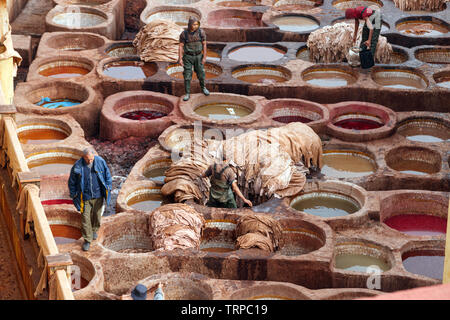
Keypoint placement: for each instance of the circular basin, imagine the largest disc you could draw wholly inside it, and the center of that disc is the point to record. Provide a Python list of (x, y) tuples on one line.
[(155, 170), (67, 68), (414, 160), (422, 27), (296, 23), (286, 5), (121, 49), (257, 53), (42, 133), (52, 162), (301, 239), (211, 71), (416, 214), (218, 236), (295, 110), (347, 164), (328, 77), (384, 25), (348, 4), (179, 16), (279, 291), (325, 204), (261, 74), (428, 263), (64, 234), (398, 56), (75, 41), (82, 272), (357, 121), (433, 55), (222, 111), (236, 3), (399, 79), (129, 69), (75, 19), (235, 18), (426, 130), (304, 54), (146, 199), (442, 79), (361, 257)]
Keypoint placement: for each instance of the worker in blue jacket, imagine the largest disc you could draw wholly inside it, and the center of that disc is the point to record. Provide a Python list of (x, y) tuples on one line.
[(90, 185)]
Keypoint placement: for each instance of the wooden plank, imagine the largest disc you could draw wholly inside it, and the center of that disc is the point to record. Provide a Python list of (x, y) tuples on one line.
[(63, 287), (59, 260), (446, 275), (15, 152)]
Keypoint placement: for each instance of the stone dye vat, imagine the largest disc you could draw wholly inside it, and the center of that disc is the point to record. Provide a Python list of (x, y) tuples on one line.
[(325, 204), (328, 76), (178, 15), (218, 236), (341, 163), (129, 69), (404, 78), (296, 23), (433, 55), (222, 111), (146, 199), (234, 18), (211, 71), (42, 133), (261, 74), (64, 67), (427, 263), (121, 49), (442, 79), (65, 224), (74, 41), (422, 27), (155, 170), (425, 130), (361, 257), (79, 19), (415, 214), (414, 160), (279, 291), (257, 53), (286, 5), (347, 4), (53, 162)]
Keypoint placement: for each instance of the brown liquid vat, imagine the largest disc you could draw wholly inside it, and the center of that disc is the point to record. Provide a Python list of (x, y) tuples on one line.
[(422, 26), (296, 4), (211, 71), (64, 42), (433, 55), (61, 67), (121, 49), (416, 161), (401, 78), (113, 126), (178, 15), (442, 79), (234, 18), (42, 130), (262, 74), (329, 76), (425, 129), (50, 162)]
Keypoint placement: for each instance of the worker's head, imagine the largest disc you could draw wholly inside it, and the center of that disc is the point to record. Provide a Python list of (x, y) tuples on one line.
[(88, 155), (139, 292), (350, 13), (193, 24)]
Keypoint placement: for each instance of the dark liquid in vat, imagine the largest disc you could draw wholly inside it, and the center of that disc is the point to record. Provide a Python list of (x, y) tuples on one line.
[(143, 115), (358, 124)]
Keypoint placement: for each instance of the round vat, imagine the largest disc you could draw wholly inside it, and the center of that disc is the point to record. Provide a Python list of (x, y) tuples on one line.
[(426, 130), (222, 111), (121, 49), (257, 53), (43, 133), (361, 257), (156, 170), (234, 18), (325, 204), (65, 224), (340, 163), (236, 3), (177, 2), (129, 234), (52, 162), (296, 23), (414, 160), (82, 2), (79, 17), (64, 234), (300, 238), (425, 262), (146, 199), (262, 74), (279, 291), (75, 41), (179, 15), (213, 55), (398, 56), (69, 67), (416, 214), (433, 55), (295, 110), (218, 236), (399, 78), (129, 69), (82, 272), (384, 25), (422, 27), (348, 4), (442, 79), (357, 121), (211, 71), (328, 76), (304, 54), (295, 4)]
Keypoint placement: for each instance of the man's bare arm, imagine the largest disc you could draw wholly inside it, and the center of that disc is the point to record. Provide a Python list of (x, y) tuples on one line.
[(239, 193)]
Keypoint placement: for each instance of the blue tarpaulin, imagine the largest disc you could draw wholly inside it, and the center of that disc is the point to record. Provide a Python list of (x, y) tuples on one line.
[(46, 102)]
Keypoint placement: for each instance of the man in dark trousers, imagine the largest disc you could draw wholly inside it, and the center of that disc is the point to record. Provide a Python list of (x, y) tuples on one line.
[(90, 185), (372, 26), (192, 53)]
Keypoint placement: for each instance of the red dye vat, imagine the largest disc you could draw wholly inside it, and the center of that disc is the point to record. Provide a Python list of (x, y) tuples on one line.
[(358, 124), (57, 201), (143, 115), (289, 119), (418, 224)]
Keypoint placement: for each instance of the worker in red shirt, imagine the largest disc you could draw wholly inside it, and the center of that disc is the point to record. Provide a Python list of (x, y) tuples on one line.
[(372, 25)]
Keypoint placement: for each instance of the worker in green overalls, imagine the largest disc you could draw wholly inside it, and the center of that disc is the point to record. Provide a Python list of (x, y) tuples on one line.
[(192, 53), (223, 186)]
